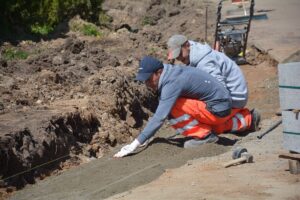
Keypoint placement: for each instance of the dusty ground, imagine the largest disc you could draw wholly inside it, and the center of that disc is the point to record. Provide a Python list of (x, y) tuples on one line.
[(74, 98)]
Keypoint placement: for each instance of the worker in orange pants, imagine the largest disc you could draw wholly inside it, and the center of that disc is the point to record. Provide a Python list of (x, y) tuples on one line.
[(199, 104), (191, 118)]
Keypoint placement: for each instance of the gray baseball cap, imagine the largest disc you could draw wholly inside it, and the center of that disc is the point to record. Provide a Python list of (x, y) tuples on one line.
[(174, 45)]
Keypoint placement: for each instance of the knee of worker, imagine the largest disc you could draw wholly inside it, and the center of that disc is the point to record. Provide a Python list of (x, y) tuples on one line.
[(187, 125), (239, 122), (247, 116)]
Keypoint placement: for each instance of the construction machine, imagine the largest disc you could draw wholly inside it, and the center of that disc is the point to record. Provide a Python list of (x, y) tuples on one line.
[(232, 31)]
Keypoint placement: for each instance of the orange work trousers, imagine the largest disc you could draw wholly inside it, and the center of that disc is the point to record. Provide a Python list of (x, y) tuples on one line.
[(191, 118)]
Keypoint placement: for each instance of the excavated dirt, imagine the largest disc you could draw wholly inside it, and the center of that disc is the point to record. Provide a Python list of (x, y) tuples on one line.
[(75, 99)]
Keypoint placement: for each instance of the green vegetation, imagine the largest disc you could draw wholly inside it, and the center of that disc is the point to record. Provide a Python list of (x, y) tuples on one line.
[(11, 54), (148, 21), (90, 30), (41, 29), (41, 16), (86, 28)]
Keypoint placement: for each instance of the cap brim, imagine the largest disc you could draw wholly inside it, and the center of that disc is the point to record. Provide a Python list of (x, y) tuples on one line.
[(173, 54), (143, 76)]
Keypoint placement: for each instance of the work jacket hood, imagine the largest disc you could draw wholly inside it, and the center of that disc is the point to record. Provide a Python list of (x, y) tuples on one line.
[(198, 52)]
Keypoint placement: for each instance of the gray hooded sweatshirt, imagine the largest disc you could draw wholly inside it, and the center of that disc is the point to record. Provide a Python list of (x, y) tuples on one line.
[(223, 68), (179, 81)]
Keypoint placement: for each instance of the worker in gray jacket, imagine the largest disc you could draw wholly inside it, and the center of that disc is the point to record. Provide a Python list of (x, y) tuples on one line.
[(213, 62), (198, 105)]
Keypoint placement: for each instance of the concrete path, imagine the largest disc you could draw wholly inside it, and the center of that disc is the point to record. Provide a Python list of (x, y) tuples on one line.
[(279, 35)]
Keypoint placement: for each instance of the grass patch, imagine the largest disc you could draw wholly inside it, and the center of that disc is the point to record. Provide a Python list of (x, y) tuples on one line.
[(12, 54), (85, 28), (41, 29), (90, 30)]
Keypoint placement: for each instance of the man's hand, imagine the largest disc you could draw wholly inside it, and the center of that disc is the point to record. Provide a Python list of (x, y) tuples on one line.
[(127, 149)]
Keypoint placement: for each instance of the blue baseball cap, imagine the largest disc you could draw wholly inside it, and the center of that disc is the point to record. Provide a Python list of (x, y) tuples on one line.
[(147, 67)]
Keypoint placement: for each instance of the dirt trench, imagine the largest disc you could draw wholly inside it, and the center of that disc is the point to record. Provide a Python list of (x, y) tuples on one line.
[(56, 109), (45, 135), (23, 149)]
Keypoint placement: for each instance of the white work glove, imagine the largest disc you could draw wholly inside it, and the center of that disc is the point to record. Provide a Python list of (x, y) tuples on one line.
[(127, 149)]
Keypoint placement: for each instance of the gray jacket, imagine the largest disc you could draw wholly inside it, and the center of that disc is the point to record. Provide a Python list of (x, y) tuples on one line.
[(223, 68), (188, 82)]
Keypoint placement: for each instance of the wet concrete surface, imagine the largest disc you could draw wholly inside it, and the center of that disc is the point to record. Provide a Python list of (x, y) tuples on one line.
[(107, 176)]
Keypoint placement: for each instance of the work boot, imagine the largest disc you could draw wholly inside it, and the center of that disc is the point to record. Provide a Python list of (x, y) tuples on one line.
[(196, 142), (255, 120)]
